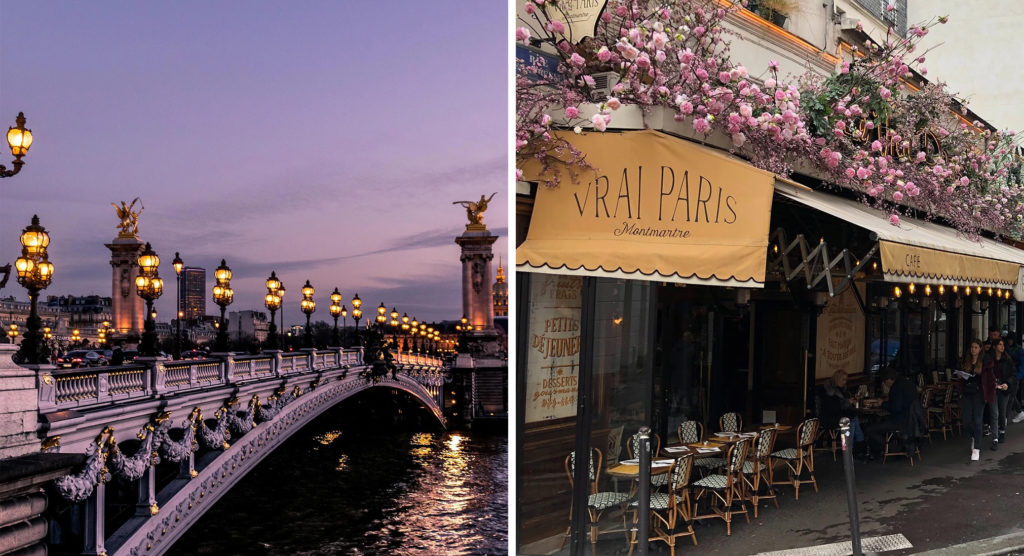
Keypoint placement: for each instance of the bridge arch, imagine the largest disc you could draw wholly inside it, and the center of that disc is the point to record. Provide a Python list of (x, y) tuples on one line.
[(291, 403)]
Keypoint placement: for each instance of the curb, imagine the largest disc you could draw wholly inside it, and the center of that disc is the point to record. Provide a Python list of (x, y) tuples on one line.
[(1002, 544)]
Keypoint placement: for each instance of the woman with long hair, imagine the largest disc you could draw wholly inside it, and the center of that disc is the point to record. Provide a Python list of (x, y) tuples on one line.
[(978, 388), (1005, 374)]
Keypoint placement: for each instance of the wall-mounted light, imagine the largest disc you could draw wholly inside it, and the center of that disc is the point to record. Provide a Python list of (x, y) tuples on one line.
[(955, 288), (990, 292), (617, 320)]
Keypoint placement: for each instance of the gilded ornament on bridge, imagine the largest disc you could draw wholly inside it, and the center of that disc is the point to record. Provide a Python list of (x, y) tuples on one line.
[(129, 225), (475, 211)]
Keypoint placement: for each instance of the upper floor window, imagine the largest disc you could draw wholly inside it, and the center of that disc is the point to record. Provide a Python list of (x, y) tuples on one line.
[(891, 12)]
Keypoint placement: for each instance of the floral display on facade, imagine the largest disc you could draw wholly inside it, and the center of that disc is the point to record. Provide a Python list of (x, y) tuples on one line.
[(872, 126)]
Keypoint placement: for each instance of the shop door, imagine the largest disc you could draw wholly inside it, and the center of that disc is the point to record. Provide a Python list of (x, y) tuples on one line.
[(780, 361)]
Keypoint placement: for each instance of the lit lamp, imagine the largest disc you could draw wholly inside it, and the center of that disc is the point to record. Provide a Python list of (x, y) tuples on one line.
[(405, 326), (394, 326), (76, 336), (149, 287), (12, 332), (335, 312), (357, 313), (382, 318), (223, 295), (35, 271), (308, 306), (19, 140), (273, 302), (178, 265)]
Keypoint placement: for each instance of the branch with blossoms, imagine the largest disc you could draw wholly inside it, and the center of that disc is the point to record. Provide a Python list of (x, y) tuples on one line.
[(669, 53), (862, 127)]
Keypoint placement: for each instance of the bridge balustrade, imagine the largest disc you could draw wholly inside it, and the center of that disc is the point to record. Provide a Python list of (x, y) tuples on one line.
[(82, 388)]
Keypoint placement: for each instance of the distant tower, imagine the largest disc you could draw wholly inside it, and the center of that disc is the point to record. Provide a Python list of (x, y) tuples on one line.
[(500, 293), (192, 300), (476, 241)]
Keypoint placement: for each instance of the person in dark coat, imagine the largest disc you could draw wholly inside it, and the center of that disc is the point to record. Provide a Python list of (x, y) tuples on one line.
[(903, 415), (976, 380), (1005, 372), (117, 357)]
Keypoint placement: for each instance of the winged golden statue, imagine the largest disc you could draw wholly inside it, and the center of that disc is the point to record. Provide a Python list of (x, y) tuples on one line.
[(129, 218), (475, 210)]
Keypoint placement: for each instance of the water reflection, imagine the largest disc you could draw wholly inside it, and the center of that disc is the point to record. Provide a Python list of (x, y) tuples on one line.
[(365, 493)]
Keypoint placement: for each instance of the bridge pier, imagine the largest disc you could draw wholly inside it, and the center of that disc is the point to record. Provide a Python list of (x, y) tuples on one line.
[(95, 520)]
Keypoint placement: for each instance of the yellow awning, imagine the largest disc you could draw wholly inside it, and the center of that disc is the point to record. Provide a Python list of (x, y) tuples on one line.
[(920, 251), (654, 208)]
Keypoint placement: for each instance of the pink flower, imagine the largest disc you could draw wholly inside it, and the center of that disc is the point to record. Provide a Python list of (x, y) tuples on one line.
[(576, 60), (773, 65), (701, 125), (923, 70), (643, 61), (770, 83), (876, 145), (556, 26), (530, 9), (894, 220), (659, 40), (738, 139), (613, 103), (884, 93), (850, 172), (522, 34), (519, 174), (897, 196), (745, 110), (964, 181), (660, 56), (599, 122), (572, 112), (686, 107), (545, 120), (863, 173), (723, 76), (604, 54), (890, 7), (702, 74)]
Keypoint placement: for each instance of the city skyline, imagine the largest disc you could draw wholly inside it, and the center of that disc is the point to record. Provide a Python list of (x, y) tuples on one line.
[(278, 140)]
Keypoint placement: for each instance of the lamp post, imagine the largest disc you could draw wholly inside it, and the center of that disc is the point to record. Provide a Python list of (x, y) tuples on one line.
[(178, 265), (357, 313), (381, 319), (394, 326), (273, 302), (149, 287), (75, 337), (405, 328), (35, 271), (223, 295), (280, 296), (414, 329), (344, 318), (462, 328), (19, 140), (308, 306), (12, 332), (335, 312)]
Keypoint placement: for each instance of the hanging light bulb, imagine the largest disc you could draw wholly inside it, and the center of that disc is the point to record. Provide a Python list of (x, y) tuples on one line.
[(955, 288), (990, 292), (897, 292), (942, 289), (911, 288), (927, 289), (967, 290)]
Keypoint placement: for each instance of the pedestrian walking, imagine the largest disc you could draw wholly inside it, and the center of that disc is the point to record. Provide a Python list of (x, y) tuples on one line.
[(1005, 373), (977, 382)]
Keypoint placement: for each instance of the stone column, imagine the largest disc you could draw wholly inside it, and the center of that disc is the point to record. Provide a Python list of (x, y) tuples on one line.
[(19, 406), (477, 298), (127, 308)]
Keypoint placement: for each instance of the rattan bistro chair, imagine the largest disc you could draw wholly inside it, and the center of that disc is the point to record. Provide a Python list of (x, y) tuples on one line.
[(672, 512), (726, 490), (633, 449), (797, 459), (690, 432), (597, 502), (730, 422), (757, 470)]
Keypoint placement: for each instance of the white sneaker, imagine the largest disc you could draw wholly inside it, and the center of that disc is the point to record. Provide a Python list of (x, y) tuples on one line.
[(975, 455), (1019, 417)]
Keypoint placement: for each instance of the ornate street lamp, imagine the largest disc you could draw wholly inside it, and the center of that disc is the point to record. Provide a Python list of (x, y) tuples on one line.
[(308, 306), (335, 312), (405, 328), (273, 302), (35, 271), (394, 326), (12, 332), (357, 313), (150, 286), (178, 266), (280, 296), (223, 295), (75, 336), (19, 140)]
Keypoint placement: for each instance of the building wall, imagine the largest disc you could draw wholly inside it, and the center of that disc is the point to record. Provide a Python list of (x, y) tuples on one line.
[(192, 298)]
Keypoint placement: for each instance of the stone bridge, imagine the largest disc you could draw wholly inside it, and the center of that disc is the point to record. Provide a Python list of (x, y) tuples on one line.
[(215, 419)]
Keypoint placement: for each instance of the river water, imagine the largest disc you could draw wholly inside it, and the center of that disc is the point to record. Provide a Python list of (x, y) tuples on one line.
[(355, 490)]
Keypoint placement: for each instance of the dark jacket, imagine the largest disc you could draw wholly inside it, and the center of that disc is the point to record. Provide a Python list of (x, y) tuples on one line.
[(1003, 372), (117, 358), (835, 404), (901, 396)]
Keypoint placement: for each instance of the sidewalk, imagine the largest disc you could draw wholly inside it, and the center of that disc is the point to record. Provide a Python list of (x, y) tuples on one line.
[(943, 505)]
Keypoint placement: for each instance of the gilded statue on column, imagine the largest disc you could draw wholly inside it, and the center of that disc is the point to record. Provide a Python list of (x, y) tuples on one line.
[(129, 225), (475, 210)]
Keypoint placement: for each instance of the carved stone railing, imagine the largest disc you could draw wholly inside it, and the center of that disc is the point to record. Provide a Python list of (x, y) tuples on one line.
[(84, 388)]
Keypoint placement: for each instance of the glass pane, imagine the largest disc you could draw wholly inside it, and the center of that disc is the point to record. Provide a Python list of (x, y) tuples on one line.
[(549, 372)]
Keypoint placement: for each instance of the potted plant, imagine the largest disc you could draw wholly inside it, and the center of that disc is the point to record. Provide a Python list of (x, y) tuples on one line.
[(775, 11)]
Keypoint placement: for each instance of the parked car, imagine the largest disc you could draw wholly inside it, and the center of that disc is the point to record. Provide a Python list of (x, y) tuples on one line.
[(193, 354), (93, 359)]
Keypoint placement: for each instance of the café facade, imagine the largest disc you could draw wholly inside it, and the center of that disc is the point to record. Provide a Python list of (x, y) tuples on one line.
[(673, 281)]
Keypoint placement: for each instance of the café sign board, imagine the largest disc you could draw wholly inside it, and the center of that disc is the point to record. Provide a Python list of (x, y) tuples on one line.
[(654, 207), (553, 356), (579, 16)]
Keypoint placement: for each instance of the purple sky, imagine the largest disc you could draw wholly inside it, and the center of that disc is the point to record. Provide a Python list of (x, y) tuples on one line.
[(323, 140)]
